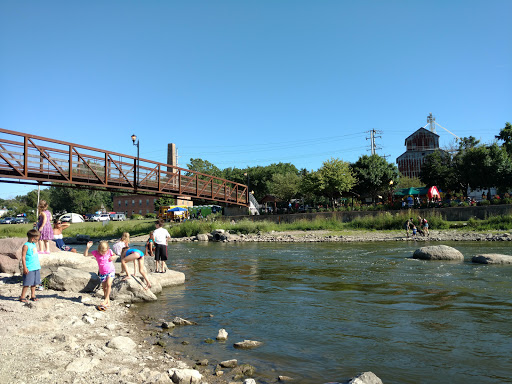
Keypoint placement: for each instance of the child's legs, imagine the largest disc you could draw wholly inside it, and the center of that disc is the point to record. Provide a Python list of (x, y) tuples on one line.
[(33, 291), (131, 257), (134, 268), (24, 292), (107, 287), (142, 271), (47, 245)]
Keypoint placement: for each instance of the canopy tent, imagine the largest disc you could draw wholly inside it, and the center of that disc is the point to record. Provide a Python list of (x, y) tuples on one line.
[(432, 192), (177, 209), (411, 191)]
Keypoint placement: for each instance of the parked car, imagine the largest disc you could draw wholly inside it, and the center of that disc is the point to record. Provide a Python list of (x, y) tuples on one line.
[(20, 220), (117, 216), (102, 217), (7, 220), (88, 216), (71, 218)]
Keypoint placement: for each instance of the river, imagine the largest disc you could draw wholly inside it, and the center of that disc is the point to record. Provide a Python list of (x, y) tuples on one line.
[(328, 311)]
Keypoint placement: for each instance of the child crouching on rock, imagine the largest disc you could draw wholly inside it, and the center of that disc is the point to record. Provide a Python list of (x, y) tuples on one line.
[(105, 257), (132, 254), (31, 266)]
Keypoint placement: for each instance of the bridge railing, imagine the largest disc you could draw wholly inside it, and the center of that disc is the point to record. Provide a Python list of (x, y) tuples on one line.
[(37, 159)]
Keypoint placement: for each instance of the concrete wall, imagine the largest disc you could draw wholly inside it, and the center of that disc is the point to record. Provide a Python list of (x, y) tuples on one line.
[(450, 214)]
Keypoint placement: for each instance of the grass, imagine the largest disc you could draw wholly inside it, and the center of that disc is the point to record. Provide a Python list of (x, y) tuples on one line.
[(383, 221)]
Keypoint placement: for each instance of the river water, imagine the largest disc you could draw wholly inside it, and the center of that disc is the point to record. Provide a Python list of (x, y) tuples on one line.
[(327, 311)]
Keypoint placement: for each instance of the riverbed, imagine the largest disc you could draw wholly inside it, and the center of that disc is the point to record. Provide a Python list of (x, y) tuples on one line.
[(327, 311)]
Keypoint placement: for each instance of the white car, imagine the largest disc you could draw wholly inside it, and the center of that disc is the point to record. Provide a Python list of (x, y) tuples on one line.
[(102, 217), (71, 218)]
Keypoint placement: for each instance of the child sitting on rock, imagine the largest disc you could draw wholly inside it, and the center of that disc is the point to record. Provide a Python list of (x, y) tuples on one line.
[(133, 254), (150, 245), (105, 257)]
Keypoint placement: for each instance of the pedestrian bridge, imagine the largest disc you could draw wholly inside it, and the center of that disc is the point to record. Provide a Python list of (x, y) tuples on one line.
[(31, 159)]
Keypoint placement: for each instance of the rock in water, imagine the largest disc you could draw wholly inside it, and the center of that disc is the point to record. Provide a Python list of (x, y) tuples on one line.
[(492, 258), (438, 252), (366, 378), (247, 344), (229, 363), (222, 335), (180, 321)]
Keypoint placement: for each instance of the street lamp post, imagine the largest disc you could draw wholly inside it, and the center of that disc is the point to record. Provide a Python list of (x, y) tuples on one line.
[(248, 186), (134, 138)]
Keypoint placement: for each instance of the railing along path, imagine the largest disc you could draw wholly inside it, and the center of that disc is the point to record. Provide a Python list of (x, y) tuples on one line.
[(40, 160)]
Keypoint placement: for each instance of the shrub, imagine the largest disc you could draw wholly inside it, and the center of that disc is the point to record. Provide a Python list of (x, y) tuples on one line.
[(136, 216), (485, 202), (506, 200), (495, 201), (151, 215)]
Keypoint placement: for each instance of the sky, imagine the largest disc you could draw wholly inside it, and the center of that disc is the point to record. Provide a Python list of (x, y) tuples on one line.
[(247, 83)]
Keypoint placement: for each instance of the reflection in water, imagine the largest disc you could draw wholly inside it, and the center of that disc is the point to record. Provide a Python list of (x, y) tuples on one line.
[(328, 311)]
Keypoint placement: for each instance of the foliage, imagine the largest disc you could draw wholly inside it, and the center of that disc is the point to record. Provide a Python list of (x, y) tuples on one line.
[(374, 175), (79, 200), (505, 135), (136, 216), (334, 178), (150, 215), (204, 166), (407, 182), (285, 186), (164, 202), (438, 170)]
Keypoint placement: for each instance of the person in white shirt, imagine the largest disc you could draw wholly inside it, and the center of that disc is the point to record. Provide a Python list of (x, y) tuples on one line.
[(162, 237)]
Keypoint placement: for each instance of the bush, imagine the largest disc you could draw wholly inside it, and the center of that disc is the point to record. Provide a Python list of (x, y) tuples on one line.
[(151, 215), (485, 202), (136, 216), (495, 201), (506, 200)]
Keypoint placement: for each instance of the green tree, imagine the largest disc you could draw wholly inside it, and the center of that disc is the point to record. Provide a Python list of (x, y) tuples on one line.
[(468, 143), (374, 175), (79, 200), (439, 170), (285, 186), (335, 177), (408, 182), (204, 166), (163, 202), (506, 136)]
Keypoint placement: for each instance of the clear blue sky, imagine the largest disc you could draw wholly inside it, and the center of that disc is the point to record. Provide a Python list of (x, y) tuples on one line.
[(246, 83)]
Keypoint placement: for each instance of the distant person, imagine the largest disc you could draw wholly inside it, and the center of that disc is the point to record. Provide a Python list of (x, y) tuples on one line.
[(104, 257), (410, 202), (133, 254), (424, 226), (58, 227), (407, 226), (162, 237), (414, 230), (44, 226), (150, 245), (31, 266)]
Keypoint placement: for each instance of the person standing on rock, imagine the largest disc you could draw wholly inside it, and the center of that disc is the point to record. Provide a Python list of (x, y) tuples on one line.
[(104, 257), (31, 266), (44, 226), (133, 254), (408, 225), (161, 239)]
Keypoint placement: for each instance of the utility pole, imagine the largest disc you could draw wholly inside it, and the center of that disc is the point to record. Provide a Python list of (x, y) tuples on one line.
[(372, 138)]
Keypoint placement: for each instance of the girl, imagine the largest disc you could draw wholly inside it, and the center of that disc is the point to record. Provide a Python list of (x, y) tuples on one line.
[(123, 243), (58, 227), (150, 245), (31, 266), (104, 256), (132, 254), (44, 225)]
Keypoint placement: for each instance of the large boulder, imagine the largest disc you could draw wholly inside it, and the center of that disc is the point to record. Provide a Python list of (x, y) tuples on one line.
[(10, 254), (131, 290), (149, 264), (185, 376), (492, 258), (122, 343), (169, 278), (68, 259), (438, 252), (74, 280)]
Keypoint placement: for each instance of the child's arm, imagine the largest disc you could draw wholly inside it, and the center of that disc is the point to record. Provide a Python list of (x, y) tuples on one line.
[(113, 256), (23, 259), (44, 220), (63, 226), (89, 245)]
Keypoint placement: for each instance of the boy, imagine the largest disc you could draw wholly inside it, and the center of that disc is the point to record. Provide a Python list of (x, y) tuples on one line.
[(31, 266), (161, 236)]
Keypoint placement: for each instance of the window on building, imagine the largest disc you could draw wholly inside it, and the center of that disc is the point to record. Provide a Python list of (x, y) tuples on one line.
[(140, 201), (126, 202), (133, 202), (119, 202), (140, 211), (147, 201)]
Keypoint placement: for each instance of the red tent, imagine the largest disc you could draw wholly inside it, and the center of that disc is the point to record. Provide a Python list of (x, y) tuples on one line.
[(433, 191)]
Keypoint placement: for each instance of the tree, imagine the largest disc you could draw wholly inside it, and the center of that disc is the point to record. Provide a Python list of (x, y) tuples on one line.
[(285, 186), (407, 182), (164, 202), (438, 169), (468, 143), (374, 174), (204, 166), (506, 136), (79, 200), (334, 178)]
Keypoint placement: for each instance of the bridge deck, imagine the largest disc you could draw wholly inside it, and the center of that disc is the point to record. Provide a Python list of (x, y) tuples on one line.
[(36, 159)]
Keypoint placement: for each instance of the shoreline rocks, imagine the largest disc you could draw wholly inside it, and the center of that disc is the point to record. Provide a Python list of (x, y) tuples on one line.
[(438, 252), (492, 258)]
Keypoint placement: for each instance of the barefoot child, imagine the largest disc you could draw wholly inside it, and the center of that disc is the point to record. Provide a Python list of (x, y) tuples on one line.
[(104, 256), (132, 254), (31, 266), (150, 245), (122, 243)]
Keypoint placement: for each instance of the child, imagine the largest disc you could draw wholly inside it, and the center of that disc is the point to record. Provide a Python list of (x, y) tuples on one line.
[(104, 256), (31, 266), (58, 227), (132, 254), (123, 243), (161, 236), (44, 225), (413, 231), (150, 245)]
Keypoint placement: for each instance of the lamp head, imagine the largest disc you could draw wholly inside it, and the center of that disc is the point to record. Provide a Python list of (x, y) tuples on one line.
[(134, 137)]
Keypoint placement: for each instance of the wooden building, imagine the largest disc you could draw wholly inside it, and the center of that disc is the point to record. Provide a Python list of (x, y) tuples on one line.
[(418, 145)]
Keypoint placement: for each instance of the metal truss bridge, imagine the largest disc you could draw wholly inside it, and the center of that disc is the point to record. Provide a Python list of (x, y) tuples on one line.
[(30, 159)]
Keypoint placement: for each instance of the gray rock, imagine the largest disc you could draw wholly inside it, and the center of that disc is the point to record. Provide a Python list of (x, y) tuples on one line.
[(88, 320), (244, 370), (492, 258), (81, 365), (218, 235), (438, 252), (131, 290), (202, 237), (180, 321), (167, 325), (185, 376), (247, 344), (249, 381), (74, 280), (366, 378), (229, 363), (222, 335), (169, 278), (285, 378), (122, 343)]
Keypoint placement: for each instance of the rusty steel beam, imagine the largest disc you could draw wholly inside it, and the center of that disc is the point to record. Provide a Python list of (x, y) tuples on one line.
[(33, 159)]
